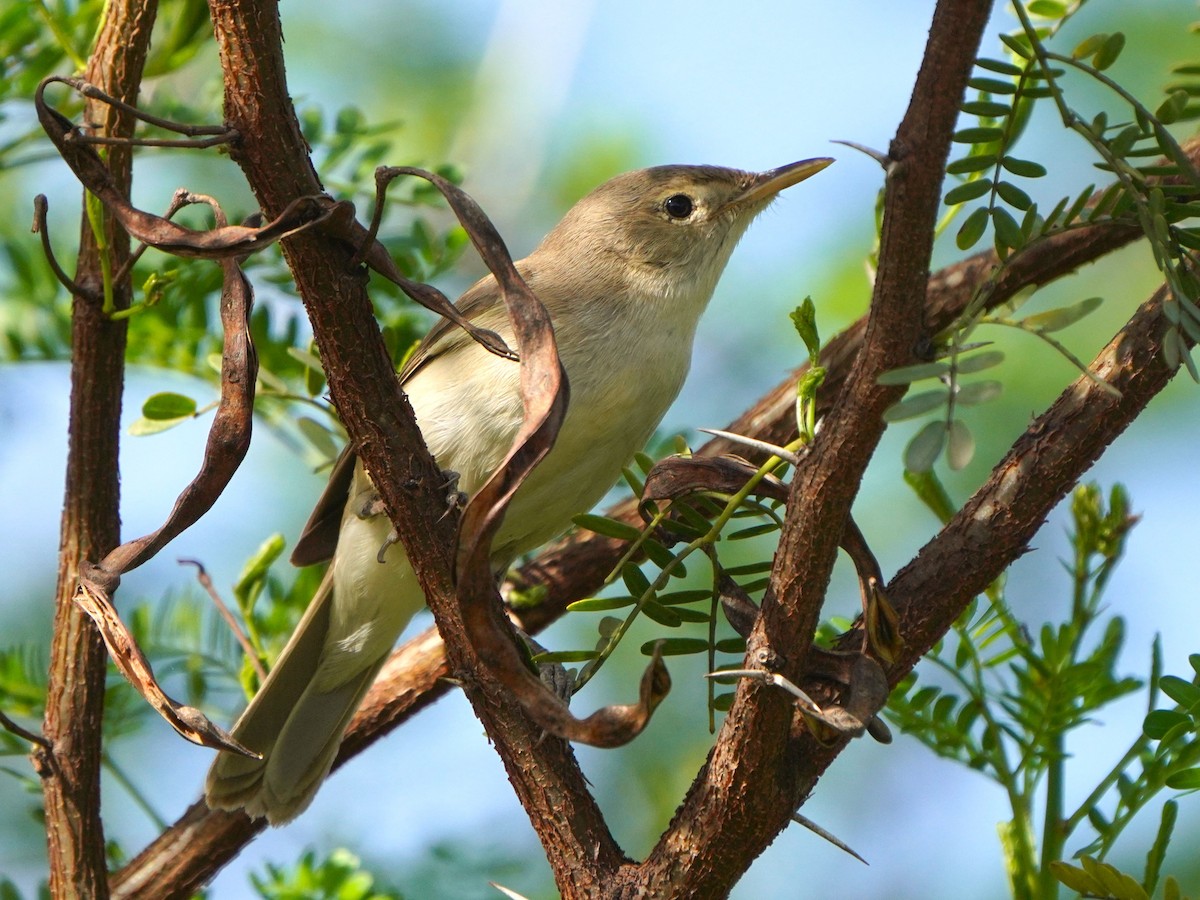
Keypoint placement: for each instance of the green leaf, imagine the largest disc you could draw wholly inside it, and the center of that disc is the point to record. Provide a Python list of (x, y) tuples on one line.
[(662, 557), (607, 527), (1182, 692), (987, 109), (960, 445), (722, 702), (675, 598), (168, 405), (932, 493), (599, 604), (253, 577), (1079, 204), (635, 579), (968, 164), (1112, 882), (1023, 167), (675, 646), (804, 318), (1008, 232), (1000, 66), (916, 405), (688, 614), (917, 372), (1160, 721), (978, 362), (1013, 195), (1057, 319), (143, 427), (971, 190), (663, 615), (306, 359), (1109, 51), (980, 135), (732, 645), (1088, 46), (1018, 44), (1047, 9), (1188, 237), (644, 461), (1125, 139), (1171, 109), (1158, 851), (972, 229), (319, 436), (978, 392), (1185, 780), (924, 449), (992, 85), (752, 531)]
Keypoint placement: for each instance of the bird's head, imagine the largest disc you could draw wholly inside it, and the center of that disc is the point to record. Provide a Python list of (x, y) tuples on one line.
[(669, 230)]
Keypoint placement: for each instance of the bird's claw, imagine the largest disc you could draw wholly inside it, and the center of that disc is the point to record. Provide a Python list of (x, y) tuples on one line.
[(371, 506), (455, 499), (392, 538)]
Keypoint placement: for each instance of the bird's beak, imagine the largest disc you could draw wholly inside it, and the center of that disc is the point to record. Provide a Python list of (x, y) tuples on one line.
[(765, 185)]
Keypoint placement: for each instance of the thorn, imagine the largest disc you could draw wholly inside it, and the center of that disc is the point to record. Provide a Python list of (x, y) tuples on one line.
[(769, 678), (829, 836), (774, 449), (455, 499), (879, 156)]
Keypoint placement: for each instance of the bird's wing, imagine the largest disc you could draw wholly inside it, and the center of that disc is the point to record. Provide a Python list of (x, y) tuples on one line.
[(318, 540), (480, 304)]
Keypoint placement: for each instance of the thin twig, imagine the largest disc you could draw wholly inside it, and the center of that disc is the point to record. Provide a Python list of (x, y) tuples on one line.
[(226, 614), (24, 733), (40, 206), (89, 90)]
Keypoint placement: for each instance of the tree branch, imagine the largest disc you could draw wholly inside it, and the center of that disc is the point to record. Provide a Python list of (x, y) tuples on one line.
[(378, 418), (749, 788), (188, 854), (996, 524), (70, 769)]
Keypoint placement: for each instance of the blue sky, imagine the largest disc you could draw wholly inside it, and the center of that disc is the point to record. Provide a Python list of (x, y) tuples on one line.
[(753, 86)]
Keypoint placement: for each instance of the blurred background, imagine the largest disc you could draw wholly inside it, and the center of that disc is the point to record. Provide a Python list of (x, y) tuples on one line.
[(536, 103)]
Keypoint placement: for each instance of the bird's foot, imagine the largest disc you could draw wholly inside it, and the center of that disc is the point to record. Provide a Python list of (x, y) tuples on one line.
[(557, 678), (455, 499)]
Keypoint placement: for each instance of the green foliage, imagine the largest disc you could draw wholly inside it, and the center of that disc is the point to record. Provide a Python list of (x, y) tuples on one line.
[(990, 174), (1098, 879), (679, 530), (697, 524), (1015, 697), (804, 318), (9, 891), (339, 876)]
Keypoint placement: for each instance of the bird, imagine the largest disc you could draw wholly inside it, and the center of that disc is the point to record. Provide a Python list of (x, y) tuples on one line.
[(625, 277)]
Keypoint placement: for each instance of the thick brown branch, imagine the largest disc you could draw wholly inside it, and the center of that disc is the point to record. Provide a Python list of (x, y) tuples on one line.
[(749, 789), (377, 416), (994, 527), (575, 567), (580, 562), (90, 523)]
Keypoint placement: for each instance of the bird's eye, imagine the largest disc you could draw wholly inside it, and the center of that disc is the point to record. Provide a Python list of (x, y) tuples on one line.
[(678, 206)]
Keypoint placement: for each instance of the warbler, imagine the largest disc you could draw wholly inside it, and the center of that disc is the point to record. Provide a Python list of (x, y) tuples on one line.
[(625, 277)]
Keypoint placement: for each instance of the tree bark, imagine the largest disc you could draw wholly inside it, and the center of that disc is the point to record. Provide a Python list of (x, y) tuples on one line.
[(70, 762)]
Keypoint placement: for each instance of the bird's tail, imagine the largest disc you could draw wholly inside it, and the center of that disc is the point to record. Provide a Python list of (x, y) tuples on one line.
[(296, 726)]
